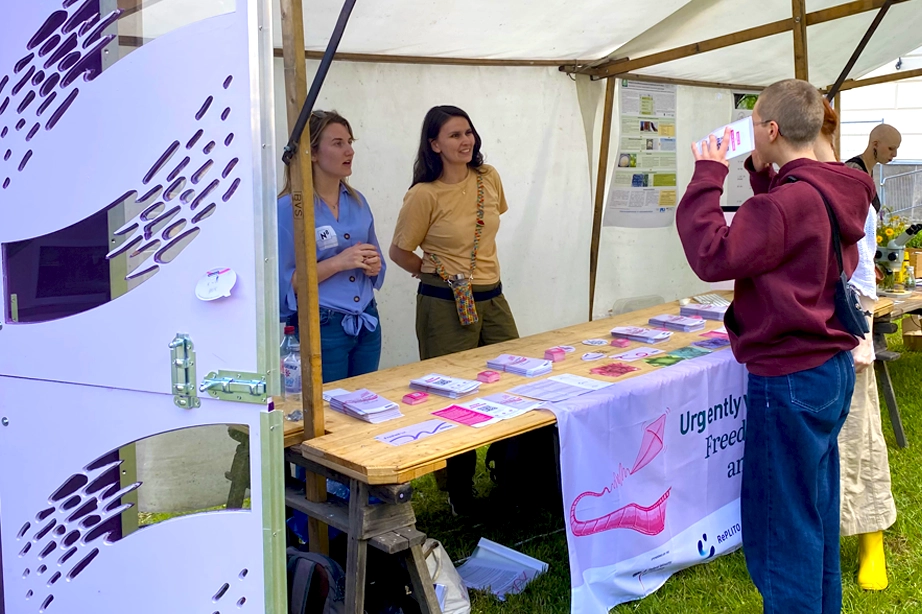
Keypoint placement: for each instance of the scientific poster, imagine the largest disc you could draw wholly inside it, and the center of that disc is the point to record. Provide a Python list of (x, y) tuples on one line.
[(738, 190), (643, 181)]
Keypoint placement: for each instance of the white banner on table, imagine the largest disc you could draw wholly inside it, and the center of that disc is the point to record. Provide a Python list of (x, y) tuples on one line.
[(651, 471)]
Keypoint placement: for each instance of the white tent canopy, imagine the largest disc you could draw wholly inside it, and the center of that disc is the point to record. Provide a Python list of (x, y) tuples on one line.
[(541, 128)]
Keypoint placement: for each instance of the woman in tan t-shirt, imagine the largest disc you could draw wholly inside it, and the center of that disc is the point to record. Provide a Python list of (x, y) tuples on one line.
[(440, 216)]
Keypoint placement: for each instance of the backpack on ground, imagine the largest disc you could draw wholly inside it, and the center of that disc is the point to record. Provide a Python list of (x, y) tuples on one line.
[(316, 584)]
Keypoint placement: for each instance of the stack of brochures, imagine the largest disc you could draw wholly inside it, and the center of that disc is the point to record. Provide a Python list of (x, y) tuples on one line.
[(366, 405), (708, 312), (520, 365), (442, 385), (644, 335), (682, 324)]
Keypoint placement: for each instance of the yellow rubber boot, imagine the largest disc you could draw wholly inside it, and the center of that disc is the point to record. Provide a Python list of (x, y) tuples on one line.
[(872, 565)]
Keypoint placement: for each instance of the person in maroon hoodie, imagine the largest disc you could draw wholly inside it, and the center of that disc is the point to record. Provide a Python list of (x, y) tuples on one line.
[(782, 326)]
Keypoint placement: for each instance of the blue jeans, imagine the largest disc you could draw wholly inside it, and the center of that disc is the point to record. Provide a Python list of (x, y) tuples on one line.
[(790, 490), (344, 355)]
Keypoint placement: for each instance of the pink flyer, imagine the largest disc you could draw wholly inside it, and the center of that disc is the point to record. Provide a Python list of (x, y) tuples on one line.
[(462, 415)]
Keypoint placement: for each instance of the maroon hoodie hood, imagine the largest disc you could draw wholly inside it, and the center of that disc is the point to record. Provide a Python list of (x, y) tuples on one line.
[(779, 251)]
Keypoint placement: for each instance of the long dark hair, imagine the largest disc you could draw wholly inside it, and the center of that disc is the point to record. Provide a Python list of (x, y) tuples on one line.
[(428, 165)]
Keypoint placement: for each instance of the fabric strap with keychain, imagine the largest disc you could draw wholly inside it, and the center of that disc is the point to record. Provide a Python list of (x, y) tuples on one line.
[(460, 284)]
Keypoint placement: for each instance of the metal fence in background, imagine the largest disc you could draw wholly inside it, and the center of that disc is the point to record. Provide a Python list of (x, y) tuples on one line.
[(900, 188)]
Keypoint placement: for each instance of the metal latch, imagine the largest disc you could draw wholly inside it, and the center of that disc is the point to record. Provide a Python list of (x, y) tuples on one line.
[(236, 386), (182, 355)]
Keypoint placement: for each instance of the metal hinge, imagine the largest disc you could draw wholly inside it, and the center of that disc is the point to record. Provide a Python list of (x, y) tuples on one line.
[(182, 355), (236, 386)]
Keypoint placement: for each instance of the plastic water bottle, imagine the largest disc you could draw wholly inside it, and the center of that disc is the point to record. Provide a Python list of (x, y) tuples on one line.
[(290, 353)]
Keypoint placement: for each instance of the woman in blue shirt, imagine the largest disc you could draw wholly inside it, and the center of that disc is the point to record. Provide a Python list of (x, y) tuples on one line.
[(349, 263)]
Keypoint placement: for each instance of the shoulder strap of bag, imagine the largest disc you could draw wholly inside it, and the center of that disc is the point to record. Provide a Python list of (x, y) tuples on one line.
[(834, 222), (478, 230)]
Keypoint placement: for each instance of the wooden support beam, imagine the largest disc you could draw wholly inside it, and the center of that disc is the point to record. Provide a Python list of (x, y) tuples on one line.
[(691, 82), (302, 204), (837, 137), (799, 16), (619, 67), (622, 65), (899, 76), (373, 58), (847, 10), (859, 49), (600, 190)]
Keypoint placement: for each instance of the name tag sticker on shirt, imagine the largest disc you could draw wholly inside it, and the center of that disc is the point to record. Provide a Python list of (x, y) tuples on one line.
[(326, 237)]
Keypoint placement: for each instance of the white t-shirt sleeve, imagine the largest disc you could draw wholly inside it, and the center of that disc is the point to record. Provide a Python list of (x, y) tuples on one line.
[(864, 279)]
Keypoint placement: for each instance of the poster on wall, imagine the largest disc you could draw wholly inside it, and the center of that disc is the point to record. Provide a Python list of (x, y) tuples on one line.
[(738, 190), (643, 181)]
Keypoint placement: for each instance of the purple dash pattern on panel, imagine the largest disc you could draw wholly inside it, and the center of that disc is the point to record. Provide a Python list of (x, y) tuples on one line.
[(179, 191), (61, 540), (43, 84)]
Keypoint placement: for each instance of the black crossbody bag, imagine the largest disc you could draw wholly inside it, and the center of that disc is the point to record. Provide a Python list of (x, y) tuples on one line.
[(847, 305)]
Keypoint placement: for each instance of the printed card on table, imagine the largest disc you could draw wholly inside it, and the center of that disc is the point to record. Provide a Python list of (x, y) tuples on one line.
[(615, 369), (712, 344), (465, 416), (664, 361), (637, 354), (715, 334), (688, 352), (415, 432)]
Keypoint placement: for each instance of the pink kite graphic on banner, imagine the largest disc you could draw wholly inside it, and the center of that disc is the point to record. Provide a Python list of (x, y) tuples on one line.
[(651, 445), (647, 520)]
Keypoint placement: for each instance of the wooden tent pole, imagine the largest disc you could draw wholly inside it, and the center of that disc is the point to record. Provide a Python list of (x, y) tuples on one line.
[(302, 204), (801, 63), (834, 90), (600, 190), (619, 66), (899, 76)]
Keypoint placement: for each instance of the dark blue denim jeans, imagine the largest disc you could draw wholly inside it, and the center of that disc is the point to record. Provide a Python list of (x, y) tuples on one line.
[(790, 490), (344, 355)]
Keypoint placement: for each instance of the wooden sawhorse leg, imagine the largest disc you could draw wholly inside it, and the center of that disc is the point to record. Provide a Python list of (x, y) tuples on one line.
[(886, 386), (883, 355), (357, 549), (389, 526)]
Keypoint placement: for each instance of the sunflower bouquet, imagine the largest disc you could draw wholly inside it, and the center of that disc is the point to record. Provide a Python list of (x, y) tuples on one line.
[(890, 227)]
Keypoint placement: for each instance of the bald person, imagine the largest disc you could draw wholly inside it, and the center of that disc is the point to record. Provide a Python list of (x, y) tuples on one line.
[(882, 146)]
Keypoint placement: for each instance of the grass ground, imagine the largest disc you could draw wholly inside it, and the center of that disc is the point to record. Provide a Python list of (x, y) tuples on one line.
[(722, 586)]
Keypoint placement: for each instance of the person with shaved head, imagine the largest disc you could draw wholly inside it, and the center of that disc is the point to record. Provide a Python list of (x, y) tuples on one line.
[(882, 147)]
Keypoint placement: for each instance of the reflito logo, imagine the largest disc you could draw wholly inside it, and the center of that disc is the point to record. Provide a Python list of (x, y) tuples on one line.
[(703, 547)]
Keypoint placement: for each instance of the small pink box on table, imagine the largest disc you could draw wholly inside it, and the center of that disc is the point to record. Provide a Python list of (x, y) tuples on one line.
[(415, 398), (488, 377), (554, 354)]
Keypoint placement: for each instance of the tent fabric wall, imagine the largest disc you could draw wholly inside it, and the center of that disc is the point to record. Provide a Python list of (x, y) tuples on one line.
[(487, 29), (587, 31), (533, 133), (541, 129)]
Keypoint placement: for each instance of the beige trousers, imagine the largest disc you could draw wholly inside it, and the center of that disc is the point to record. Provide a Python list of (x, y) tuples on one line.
[(867, 503)]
